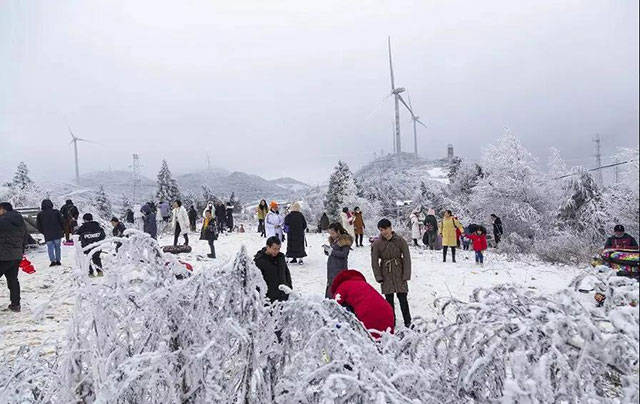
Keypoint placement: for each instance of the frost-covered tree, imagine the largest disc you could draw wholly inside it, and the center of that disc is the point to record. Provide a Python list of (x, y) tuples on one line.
[(102, 204), (167, 186), (342, 189), (584, 210), (21, 178), (208, 195), (431, 196), (511, 187)]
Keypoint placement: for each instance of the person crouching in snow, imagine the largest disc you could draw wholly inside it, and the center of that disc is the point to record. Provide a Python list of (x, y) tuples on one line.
[(180, 222), (91, 232), (479, 240), (351, 290)]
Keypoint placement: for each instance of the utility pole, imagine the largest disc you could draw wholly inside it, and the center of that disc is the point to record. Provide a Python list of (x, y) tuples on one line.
[(135, 167), (598, 157)]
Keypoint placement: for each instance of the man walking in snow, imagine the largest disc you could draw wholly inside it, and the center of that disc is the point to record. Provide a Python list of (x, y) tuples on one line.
[(51, 224), (391, 263), (12, 235), (193, 215)]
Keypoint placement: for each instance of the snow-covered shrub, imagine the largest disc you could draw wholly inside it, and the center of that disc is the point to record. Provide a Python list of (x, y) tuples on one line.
[(564, 247)]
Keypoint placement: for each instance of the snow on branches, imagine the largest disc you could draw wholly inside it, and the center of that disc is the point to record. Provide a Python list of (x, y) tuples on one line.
[(167, 185), (149, 333)]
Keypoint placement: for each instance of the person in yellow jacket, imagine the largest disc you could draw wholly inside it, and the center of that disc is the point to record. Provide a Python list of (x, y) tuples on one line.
[(262, 210), (448, 228)]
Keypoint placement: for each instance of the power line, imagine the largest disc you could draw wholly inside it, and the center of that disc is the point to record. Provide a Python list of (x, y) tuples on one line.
[(598, 168)]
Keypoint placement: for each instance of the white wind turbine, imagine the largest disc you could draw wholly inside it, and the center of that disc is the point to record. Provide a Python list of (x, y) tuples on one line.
[(75, 139)]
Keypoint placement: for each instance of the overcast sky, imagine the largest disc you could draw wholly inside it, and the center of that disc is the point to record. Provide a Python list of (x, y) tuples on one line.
[(285, 88)]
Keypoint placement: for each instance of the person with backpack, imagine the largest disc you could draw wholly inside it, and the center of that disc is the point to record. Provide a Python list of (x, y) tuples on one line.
[(209, 232), (70, 215), (91, 232), (221, 214), (13, 232), (128, 216), (479, 241), (51, 224), (430, 236)]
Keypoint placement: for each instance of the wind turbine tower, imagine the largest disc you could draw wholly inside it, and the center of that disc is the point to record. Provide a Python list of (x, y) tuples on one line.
[(396, 98), (75, 140)]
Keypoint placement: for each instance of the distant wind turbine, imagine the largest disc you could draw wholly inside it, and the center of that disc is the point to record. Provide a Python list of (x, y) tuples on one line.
[(416, 120), (396, 92), (75, 139)]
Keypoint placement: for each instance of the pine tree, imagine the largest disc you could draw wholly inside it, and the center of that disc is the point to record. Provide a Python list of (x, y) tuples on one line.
[(21, 178), (342, 190), (167, 186), (208, 195), (102, 204)]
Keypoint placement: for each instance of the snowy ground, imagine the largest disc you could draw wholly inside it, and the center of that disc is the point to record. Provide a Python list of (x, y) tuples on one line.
[(41, 324)]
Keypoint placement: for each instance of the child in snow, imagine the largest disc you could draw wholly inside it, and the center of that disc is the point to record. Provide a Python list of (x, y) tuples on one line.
[(479, 240), (91, 232)]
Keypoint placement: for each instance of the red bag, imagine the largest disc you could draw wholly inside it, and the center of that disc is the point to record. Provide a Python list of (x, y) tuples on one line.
[(27, 266)]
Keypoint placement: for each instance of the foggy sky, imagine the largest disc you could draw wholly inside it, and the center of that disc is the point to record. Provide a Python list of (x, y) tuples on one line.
[(288, 87)]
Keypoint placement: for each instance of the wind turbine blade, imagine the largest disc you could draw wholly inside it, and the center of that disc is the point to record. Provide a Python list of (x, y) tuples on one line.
[(409, 99), (71, 133), (420, 122), (407, 106), (393, 87)]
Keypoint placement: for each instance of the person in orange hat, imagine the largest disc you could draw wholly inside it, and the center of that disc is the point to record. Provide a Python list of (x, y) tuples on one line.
[(273, 221)]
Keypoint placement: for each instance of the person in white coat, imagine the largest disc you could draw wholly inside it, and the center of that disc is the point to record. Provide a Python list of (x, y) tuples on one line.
[(346, 219), (180, 222), (273, 222), (416, 231)]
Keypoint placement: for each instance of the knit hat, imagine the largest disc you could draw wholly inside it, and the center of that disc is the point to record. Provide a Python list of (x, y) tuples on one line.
[(619, 228), (273, 205)]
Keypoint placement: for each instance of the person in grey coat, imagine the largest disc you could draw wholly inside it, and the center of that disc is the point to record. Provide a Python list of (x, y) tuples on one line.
[(337, 250), (13, 232), (149, 224)]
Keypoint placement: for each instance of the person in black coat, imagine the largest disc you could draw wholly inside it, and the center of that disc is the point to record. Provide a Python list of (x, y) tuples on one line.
[(70, 215), (128, 216), (324, 223), (193, 216), (221, 216), (13, 232), (275, 271), (149, 224), (51, 224), (118, 230), (498, 230), (229, 216), (91, 232), (296, 225)]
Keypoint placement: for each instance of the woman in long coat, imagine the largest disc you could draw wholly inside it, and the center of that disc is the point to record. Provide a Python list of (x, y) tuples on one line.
[(340, 242), (297, 225), (358, 226), (449, 235)]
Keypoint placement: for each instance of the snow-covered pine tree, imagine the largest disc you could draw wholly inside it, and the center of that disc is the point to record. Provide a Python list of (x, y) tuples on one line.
[(189, 199), (342, 189), (21, 178), (237, 204), (454, 166), (430, 196), (102, 204), (167, 186)]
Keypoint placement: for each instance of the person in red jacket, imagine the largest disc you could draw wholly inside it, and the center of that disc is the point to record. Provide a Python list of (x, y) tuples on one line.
[(479, 240), (350, 289)]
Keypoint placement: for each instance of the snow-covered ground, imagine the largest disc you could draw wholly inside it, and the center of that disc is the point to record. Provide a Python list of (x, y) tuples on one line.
[(47, 298)]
